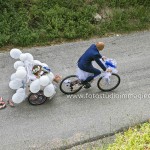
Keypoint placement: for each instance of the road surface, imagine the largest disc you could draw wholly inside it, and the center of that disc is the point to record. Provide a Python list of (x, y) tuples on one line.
[(64, 120)]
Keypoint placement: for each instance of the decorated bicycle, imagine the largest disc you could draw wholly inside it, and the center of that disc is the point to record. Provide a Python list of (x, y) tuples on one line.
[(86, 72), (107, 81)]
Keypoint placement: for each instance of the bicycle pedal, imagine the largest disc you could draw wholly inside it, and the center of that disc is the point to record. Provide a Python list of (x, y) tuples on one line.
[(87, 86)]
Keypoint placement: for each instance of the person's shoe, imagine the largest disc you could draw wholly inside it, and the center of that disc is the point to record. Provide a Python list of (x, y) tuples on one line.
[(3, 106), (10, 103), (87, 85)]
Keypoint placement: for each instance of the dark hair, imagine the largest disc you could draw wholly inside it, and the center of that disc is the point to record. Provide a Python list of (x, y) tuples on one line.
[(36, 69)]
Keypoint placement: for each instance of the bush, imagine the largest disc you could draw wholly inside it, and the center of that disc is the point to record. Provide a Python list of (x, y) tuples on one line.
[(27, 22), (125, 20)]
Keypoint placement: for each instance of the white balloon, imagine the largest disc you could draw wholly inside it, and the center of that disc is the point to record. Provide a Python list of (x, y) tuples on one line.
[(18, 64), (23, 57), (36, 62), (18, 98), (15, 84), (49, 90), (51, 76), (35, 86), (21, 90), (13, 76), (44, 65), (15, 53), (21, 73), (44, 80), (29, 57), (21, 68)]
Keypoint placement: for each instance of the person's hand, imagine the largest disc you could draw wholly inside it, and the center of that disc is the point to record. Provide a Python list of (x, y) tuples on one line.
[(104, 58), (57, 78), (108, 70)]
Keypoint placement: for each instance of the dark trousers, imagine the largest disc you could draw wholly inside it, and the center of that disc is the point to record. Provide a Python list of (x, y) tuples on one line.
[(90, 69)]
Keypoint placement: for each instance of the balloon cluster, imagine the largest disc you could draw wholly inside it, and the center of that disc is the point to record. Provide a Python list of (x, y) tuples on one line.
[(24, 75)]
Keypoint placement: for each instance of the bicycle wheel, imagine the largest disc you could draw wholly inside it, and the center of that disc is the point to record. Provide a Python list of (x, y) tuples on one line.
[(108, 85), (37, 98), (70, 85)]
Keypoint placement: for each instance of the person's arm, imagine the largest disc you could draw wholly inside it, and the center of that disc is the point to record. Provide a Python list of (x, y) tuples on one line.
[(97, 59), (104, 58)]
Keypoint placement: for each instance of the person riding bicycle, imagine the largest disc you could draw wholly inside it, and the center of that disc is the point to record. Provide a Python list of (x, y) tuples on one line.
[(85, 62)]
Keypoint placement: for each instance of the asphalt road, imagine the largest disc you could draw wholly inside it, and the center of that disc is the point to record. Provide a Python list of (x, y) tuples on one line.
[(63, 121)]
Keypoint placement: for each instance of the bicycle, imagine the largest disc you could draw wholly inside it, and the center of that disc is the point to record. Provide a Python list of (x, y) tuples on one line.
[(73, 84)]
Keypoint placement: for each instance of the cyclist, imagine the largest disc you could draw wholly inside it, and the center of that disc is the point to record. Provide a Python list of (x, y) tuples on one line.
[(85, 63)]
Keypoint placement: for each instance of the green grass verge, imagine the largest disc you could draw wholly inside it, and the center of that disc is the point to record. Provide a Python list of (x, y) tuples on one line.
[(137, 138), (31, 22)]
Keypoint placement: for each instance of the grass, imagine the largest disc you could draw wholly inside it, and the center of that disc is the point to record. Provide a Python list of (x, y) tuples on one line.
[(136, 138), (35, 22)]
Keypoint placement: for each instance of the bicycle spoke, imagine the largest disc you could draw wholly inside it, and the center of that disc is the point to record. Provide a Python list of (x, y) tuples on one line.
[(70, 85), (37, 99), (110, 83)]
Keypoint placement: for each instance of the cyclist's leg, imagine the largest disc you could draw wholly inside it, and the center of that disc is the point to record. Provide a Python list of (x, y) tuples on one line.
[(93, 70)]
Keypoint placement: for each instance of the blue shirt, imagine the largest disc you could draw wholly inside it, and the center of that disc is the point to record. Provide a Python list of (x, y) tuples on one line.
[(91, 54)]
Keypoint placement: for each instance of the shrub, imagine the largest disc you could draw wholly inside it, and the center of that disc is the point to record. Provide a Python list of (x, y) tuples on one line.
[(27, 22)]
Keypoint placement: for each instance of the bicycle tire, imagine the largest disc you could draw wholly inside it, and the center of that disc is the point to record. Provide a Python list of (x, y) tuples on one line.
[(72, 92), (107, 90), (37, 102)]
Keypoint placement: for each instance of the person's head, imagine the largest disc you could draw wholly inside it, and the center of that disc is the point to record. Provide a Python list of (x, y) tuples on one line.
[(36, 69), (100, 46)]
